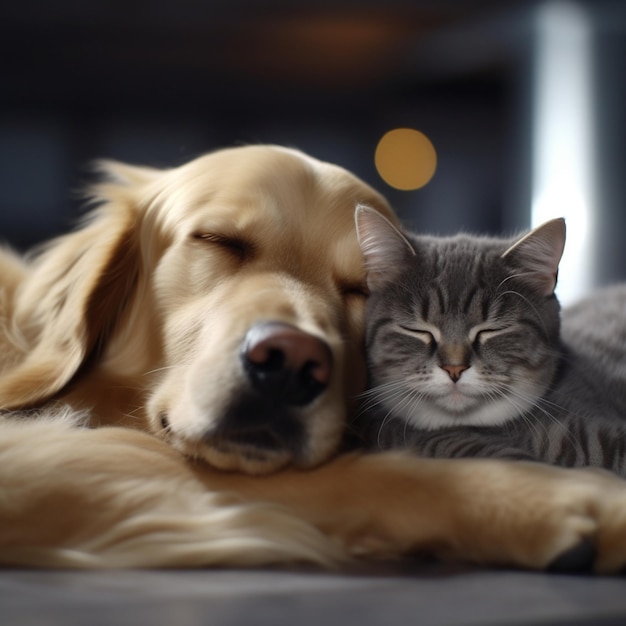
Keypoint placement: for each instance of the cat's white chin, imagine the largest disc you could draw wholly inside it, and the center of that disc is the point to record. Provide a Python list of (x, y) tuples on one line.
[(471, 402), (430, 415)]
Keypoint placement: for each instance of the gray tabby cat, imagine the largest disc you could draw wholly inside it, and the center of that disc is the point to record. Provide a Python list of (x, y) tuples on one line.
[(467, 356)]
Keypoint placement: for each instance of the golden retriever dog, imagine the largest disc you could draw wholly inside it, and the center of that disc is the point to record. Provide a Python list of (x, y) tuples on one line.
[(175, 382)]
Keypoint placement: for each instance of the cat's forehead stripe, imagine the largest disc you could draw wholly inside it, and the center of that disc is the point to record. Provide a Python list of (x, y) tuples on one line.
[(455, 273)]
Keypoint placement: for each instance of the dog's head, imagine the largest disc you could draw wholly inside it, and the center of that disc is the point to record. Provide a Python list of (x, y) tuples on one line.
[(228, 293)]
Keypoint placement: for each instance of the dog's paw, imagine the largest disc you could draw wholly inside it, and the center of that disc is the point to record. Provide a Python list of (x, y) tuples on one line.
[(579, 559), (593, 505), (541, 517)]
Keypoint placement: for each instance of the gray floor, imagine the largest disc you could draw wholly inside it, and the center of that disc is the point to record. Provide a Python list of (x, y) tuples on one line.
[(425, 595)]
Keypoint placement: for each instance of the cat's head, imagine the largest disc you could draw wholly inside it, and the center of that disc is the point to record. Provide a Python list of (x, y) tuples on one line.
[(461, 330)]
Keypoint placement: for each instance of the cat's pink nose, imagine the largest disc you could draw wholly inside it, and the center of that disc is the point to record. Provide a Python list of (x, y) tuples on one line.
[(454, 371)]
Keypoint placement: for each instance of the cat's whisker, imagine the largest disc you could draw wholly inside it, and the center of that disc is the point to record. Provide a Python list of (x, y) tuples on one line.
[(542, 431), (407, 405), (382, 388), (417, 399), (379, 395), (544, 401), (396, 399), (382, 399), (512, 277), (385, 419), (529, 303), (528, 399), (508, 395), (560, 424)]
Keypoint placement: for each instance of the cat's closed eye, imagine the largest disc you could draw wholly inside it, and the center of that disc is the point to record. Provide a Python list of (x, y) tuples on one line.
[(427, 336), (482, 334)]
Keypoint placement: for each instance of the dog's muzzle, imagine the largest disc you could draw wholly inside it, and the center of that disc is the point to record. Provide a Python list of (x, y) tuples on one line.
[(287, 369)]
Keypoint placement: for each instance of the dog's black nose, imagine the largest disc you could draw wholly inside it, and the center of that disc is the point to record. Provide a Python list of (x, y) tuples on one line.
[(288, 366)]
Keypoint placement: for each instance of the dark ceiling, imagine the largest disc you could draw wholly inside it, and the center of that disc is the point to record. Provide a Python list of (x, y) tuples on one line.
[(124, 51), (160, 81)]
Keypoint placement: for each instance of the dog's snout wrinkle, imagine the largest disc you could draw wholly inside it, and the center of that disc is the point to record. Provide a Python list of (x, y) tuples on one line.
[(286, 364)]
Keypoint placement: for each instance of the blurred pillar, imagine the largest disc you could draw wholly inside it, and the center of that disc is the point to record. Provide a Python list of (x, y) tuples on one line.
[(609, 20), (563, 138), (577, 128)]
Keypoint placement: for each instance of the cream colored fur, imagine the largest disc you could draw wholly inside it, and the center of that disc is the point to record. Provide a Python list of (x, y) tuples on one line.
[(137, 316)]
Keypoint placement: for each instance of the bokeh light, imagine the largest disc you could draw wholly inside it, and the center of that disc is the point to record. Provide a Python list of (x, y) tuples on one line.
[(405, 158)]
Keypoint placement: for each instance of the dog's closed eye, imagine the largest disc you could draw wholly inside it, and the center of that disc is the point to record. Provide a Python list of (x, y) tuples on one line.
[(236, 245), (357, 290)]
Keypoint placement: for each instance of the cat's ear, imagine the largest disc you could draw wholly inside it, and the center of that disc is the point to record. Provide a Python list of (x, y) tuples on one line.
[(385, 249), (538, 254)]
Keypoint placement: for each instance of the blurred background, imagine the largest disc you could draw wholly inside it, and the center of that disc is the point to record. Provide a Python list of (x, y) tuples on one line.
[(516, 110)]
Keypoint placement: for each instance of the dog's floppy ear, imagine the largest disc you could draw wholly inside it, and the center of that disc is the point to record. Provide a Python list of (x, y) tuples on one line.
[(78, 286)]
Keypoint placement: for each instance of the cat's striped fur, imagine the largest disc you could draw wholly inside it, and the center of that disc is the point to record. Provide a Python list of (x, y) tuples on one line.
[(468, 355)]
